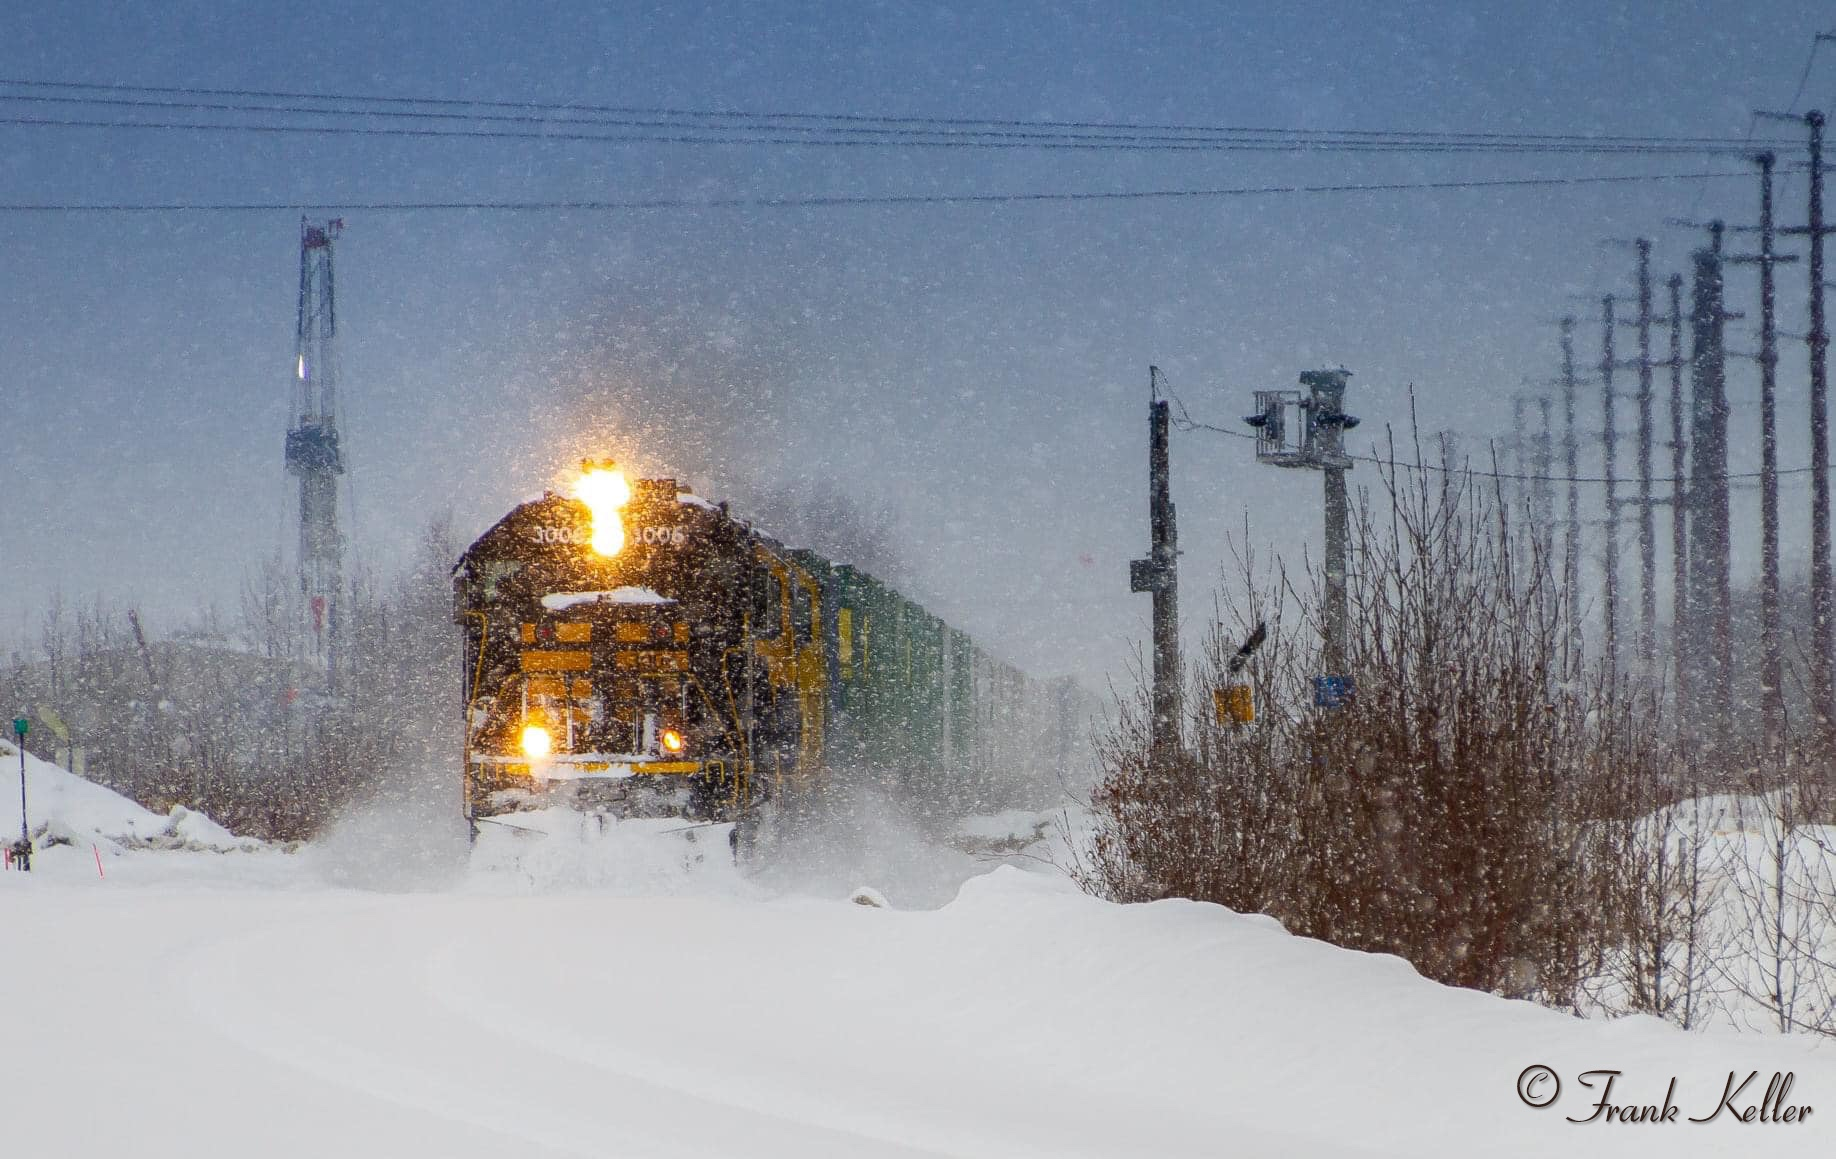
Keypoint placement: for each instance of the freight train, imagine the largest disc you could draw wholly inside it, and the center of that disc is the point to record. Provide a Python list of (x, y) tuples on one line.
[(635, 648)]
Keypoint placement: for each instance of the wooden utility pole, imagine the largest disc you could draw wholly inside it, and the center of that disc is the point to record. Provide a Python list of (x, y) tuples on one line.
[(1542, 463), (1772, 657), (1647, 535), (1571, 457), (1823, 615), (1609, 436), (1679, 513), (1159, 575), (1822, 586), (1772, 643), (1823, 598), (1711, 595)]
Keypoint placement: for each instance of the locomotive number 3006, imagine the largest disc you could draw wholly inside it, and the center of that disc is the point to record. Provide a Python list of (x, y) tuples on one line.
[(650, 536)]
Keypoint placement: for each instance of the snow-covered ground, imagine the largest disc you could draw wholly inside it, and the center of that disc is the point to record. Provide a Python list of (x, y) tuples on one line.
[(567, 991)]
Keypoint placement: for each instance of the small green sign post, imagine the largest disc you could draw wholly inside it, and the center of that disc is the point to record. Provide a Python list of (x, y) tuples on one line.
[(22, 852)]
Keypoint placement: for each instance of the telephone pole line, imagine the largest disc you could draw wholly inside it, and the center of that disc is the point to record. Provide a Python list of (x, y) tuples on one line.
[(1822, 586), (1823, 598)]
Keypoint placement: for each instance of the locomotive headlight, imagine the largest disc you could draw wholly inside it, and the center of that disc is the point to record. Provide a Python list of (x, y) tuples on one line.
[(537, 744), (672, 740), (605, 492)]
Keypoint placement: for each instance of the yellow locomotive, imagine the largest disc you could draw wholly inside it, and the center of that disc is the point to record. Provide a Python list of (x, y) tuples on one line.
[(636, 648)]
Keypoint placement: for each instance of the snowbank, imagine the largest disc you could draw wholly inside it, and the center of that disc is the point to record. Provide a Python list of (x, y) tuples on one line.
[(64, 808)]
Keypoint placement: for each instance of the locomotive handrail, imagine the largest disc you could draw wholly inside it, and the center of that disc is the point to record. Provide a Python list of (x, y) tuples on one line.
[(731, 730), (471, 694), (745, 742)]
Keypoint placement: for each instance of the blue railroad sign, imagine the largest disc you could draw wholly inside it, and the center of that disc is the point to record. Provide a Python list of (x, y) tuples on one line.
[(1333, 691)]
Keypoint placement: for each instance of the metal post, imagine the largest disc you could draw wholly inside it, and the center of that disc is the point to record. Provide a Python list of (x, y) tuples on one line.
[(1327, 421), (1337, 538)]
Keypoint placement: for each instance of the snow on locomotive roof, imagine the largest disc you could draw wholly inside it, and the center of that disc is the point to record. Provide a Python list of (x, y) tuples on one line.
[(561, 601), (690, 499)]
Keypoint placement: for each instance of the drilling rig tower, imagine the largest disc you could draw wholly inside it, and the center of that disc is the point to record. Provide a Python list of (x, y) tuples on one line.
[(313, 453)]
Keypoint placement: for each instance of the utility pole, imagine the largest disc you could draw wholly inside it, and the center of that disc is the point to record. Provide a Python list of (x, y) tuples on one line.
[(1823, 680), (1647, 535), (1543, 489), (1532, 460), (1323, 423), (1520, 459), (1822, 586), (1679, 511), (1571, 457), (1823, 597), (1772, 659), (1609, 436), (1710, 598), (1159, 575)]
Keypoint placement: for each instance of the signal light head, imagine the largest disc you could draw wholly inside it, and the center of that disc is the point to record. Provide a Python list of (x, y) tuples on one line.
[(672, 740)]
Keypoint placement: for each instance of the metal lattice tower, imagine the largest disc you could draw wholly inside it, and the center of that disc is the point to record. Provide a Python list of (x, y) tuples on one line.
[(312, 445)]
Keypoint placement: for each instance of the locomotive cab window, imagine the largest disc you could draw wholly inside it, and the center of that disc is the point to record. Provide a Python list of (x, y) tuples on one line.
[(767, 605), (803, 615)]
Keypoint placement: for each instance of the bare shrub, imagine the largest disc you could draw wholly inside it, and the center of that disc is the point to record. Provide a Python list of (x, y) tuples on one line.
[(227, 721), (1454, 812)]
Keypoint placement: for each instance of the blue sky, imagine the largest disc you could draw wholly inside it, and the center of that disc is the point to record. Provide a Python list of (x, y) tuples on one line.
[(977, 373)]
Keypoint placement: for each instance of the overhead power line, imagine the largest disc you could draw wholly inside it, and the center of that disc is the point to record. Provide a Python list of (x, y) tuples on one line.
[(667, 125), (740, 115), (838, 201), (709, 135), (1809, 61)]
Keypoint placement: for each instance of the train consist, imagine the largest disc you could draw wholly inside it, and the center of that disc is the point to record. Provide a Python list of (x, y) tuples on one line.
[(636, 648)]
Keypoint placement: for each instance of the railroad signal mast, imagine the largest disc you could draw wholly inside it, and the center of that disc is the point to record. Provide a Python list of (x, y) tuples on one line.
[(1321, 422), (313, 453)]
